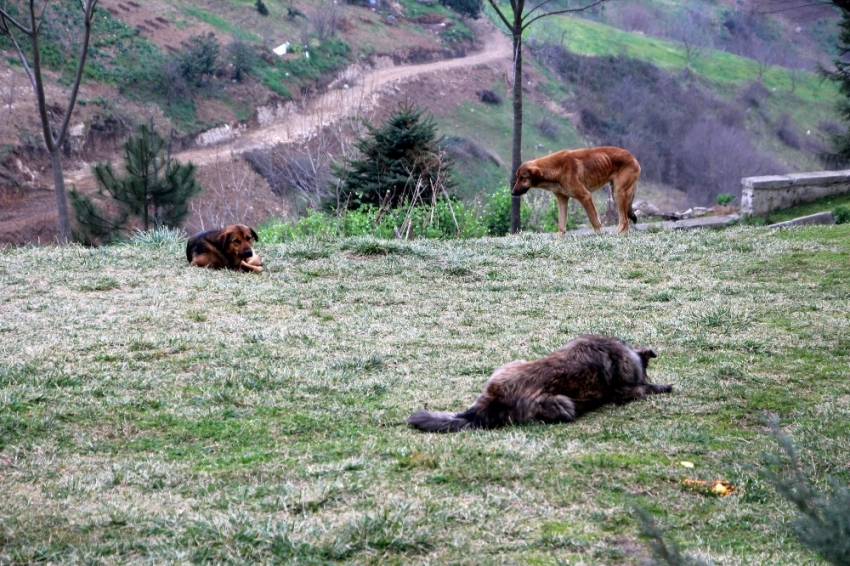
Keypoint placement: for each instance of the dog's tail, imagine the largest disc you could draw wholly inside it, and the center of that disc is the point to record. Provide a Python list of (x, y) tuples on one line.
[(632, 215), (432, 421)]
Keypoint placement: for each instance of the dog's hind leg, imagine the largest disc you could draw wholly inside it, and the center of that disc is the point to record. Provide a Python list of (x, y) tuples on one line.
[(623, 189), (553, 409)]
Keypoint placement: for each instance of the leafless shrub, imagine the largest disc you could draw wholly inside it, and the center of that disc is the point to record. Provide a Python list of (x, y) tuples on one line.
[(231, 191), (295, 172), (731, 115), (549, 127), (831, 128), (754, 94), (300, 171), (635, 105), (463, 149), (429, 18), (636, 17), (787, 133), (488, 96), (713, 159), (325, 19), (693, 31)]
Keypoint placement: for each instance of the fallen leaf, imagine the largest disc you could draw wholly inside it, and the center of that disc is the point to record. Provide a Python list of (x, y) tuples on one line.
[(717, 487)]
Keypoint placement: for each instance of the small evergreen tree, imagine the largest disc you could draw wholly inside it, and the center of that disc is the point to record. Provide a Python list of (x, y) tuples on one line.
[(822, 523), (261, 8), (198, 57), (399, 162), (823, 519), (841, 76), (466, 8), (155, 190), (242, 58)]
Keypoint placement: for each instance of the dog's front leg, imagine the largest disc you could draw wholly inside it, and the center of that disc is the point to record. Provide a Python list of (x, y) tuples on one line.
[(253, 263), (563, 201), (586, 202)]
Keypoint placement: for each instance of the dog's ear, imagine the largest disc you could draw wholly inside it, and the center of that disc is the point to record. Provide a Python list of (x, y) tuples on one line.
[(254, 235), (535, 173), (645, 355), (224, 237)]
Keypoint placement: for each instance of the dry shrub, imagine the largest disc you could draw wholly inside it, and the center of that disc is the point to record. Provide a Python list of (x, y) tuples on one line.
[(549, 127), (788, 134), (463, 150), (233, 194), (430, 18), (635, 105), (754, 94), (636, 17), (714, 158), (488, 96)]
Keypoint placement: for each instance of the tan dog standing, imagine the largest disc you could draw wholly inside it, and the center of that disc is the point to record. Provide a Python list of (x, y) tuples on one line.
[(578, 172), (228, 248)]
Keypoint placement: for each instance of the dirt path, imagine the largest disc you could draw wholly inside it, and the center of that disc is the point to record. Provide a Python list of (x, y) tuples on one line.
[(34, 217), (299, 123)]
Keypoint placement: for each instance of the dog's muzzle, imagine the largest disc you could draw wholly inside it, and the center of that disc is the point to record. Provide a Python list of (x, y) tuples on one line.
[(246, 254), (518, 192)]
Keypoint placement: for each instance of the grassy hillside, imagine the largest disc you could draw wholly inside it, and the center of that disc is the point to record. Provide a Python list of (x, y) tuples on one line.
[(155, 413)]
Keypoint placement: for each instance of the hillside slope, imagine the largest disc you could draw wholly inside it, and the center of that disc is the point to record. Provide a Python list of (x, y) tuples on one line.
[(786, 118)]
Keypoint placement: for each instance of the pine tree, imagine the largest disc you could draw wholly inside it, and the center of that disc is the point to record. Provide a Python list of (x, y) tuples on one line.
[(823, 518), (155, 190), (399, 162), (841, 76)]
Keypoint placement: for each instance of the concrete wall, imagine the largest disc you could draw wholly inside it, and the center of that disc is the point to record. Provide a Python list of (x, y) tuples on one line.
[(775, 192)]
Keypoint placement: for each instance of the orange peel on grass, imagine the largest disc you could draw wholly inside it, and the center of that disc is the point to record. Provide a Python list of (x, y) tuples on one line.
[(716, 487)]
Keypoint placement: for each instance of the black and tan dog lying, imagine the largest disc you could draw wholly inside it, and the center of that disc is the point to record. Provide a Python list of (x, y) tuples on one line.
[(582, 375), (228, 248)]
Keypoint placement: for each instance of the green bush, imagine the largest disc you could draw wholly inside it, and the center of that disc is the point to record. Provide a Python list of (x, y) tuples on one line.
[(497, 212), (842, 214), (724, 198), (198, 57), (447, 219)]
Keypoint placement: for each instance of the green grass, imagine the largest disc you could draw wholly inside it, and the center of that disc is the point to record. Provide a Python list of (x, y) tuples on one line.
[(219, 23), (151, 412), (587, 37), (820, 205)]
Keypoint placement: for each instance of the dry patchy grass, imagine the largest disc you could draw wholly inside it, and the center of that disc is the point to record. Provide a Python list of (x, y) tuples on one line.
[(155, 413)]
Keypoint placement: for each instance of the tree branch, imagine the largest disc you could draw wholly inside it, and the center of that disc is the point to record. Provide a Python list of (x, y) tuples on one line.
[(4, 28), (501, 16), (78, 77), (567, 11), (5, 17)]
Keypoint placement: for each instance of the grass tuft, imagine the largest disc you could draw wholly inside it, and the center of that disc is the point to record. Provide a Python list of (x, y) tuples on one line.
[(152, 412)]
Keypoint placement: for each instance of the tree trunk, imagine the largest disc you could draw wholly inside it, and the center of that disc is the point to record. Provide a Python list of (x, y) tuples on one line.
[(61, 197), (516, 148)]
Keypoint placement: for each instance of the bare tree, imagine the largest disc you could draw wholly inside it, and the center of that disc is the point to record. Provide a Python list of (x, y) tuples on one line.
[(229, 195), (764, 56), (30, 28), (323, 133), (517, 21), (693, 32), (325, 19)]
